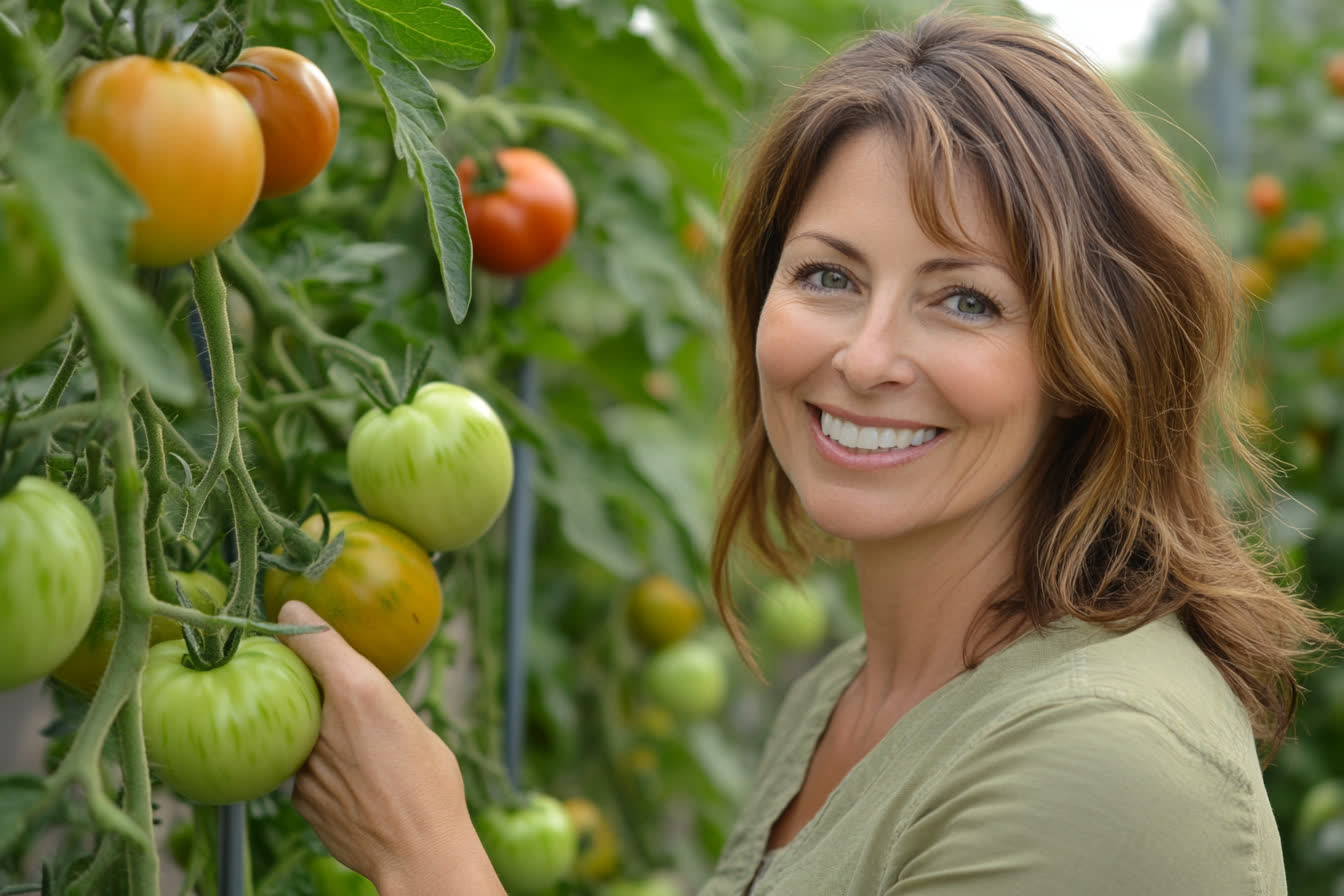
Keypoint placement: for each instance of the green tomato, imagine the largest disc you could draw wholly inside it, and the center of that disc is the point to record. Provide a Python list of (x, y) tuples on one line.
[(531, 846), (792, 617), (234, 732), (51, 573), (331, 878), (689, 679), (36, 303), (658, 884), (439, 469)]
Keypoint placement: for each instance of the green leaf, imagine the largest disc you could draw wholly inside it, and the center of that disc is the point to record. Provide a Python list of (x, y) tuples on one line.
[(414, 113), (671, 113), (428, 29), (18, 794), (88, 209)]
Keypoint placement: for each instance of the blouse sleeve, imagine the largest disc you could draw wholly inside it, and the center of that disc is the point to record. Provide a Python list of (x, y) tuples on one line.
[(1088, 796)]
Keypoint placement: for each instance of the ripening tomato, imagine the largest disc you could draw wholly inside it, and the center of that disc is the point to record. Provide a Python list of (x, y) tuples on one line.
[(531, 846), (51, 573), (439, 469), (524, 224), (1266, 196), (186, 141), (298, 113), (83, 669), (231, 733), (381, 593), (661, 611), (598, 851), (36, 303)]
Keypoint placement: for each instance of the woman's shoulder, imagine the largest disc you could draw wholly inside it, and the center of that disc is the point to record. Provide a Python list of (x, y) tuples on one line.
[(1079, 675)]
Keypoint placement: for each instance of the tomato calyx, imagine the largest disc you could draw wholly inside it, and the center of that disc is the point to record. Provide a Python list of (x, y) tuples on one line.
[(215, 42), (300, 553), (490, 174)]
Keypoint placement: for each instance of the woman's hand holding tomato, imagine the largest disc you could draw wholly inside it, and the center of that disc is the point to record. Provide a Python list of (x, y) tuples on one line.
[(381, 790)]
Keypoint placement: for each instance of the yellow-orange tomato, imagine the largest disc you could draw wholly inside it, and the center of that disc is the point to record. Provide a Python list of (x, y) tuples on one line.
[(1295, 245), (83, 670), (298, 113), (381, 592), (185, 141), (599, 851), (527, 221), (662, 612)]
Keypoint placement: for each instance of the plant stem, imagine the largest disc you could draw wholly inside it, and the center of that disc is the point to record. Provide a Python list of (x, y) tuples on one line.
[(82, 763), (211, 302), (74, 354), (277, 309), (144, 863)]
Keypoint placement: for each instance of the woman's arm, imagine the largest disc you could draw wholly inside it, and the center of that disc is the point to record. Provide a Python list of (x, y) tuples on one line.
[(381, 790)]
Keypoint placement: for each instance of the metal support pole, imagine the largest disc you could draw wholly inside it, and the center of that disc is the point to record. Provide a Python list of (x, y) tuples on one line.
[(1226, 87), (522, 533)]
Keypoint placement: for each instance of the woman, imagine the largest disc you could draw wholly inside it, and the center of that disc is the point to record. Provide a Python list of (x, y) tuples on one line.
[(983, 345)]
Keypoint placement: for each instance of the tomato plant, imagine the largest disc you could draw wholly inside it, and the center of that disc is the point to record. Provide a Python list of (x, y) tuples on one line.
[(83, 669), (519, 226), (438, 468), (381, 593), (688, 678), (37, 302), (532, 845), (185, 140), (51, 573), (661, 611), (234, 732), (297, 110)]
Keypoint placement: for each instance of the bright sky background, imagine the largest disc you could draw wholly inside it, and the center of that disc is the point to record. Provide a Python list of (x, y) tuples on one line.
[(1112, 34)]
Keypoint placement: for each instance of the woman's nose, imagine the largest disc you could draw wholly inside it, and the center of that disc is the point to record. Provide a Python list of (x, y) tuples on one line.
[(878, 352)]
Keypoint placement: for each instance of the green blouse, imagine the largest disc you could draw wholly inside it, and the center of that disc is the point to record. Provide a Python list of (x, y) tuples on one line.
[(1076, 762)]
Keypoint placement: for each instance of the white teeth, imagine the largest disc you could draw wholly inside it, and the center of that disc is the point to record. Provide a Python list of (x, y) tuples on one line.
[(873, 438)]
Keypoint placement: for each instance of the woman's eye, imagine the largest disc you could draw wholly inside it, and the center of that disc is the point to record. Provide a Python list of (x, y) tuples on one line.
[(827, 278), (970, 304)]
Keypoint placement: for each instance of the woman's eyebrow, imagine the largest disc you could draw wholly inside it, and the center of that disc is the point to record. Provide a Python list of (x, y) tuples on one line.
[(931, 266)]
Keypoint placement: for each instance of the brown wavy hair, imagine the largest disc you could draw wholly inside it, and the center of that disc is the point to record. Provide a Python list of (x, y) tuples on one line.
[(1135, 321)]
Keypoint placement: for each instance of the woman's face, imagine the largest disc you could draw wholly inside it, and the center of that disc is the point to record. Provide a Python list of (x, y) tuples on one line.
[(898, 384)]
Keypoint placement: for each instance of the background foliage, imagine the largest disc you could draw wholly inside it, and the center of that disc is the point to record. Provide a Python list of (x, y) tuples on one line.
[(644, 105)]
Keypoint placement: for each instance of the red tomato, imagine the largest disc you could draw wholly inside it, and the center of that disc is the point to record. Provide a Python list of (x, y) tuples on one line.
[(523, 225)]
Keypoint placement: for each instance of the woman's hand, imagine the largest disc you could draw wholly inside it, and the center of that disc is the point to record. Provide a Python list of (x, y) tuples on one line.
[(381, 790)]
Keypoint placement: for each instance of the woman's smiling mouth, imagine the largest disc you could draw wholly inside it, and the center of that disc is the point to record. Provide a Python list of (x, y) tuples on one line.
[(872, 438)]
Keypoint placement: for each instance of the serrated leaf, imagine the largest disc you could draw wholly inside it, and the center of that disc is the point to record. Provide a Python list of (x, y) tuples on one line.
[(88, 209), (428, 29), (18, 794), (414, 113), (675, 117)]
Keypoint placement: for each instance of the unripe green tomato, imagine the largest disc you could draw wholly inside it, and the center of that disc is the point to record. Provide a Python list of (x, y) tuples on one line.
[(792, 617), (688, 678), (232, 733), (531, 846), (51, 574), (331, 878), (36, 301), (439, 469), (1323, 803)]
